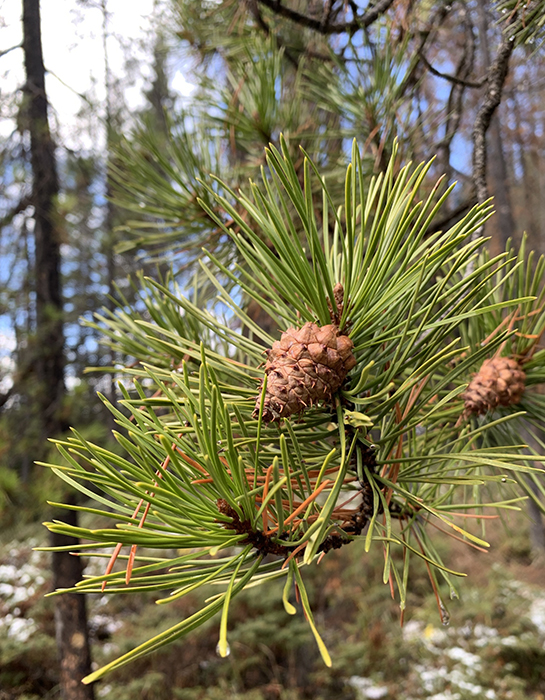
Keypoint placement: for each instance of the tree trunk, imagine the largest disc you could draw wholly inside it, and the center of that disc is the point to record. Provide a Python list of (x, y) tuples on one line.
[(537, 531), (70, 613), (109, 214), (71, 629), (537, 526), (49, 347)]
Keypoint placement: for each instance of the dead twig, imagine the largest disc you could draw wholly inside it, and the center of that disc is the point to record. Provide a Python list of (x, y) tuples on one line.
[(359, 21)]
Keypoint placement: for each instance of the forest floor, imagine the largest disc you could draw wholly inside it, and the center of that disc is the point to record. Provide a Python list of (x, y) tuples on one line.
[(493, 648)]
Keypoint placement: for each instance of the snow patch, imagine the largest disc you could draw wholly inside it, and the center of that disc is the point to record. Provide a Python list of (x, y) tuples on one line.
[(367, 688)]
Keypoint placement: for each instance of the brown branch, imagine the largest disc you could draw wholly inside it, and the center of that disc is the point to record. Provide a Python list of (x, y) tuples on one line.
[(21, 205), (267, 544), (460, 210), (359, 22), (492, 98), (452, 78), (352, 526), (11, 48)]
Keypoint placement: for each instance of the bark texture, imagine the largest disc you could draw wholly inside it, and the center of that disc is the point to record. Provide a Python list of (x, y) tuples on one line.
[(71, 620), (497, 166), (49, 354), (496, 76), (70, 613)]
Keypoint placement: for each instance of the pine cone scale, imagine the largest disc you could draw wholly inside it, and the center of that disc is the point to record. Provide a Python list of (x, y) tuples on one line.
[(499, 382), (306, 366)]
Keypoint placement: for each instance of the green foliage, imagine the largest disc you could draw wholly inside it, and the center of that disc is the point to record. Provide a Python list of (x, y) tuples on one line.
[(523, 21), (521, 277), (9, 488), (497, 620), (370, 96), (158, 177), (200, 474), (163, 186)]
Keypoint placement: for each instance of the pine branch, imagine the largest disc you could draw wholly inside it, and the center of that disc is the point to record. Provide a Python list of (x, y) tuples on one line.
[(202, 467), (262, 24), (323, 26), (443, 222), (530, 26)]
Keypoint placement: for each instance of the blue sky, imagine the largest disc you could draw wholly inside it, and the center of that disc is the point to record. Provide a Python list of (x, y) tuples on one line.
[(73, 55)]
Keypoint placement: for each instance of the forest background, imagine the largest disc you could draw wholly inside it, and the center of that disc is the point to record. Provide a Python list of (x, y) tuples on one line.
[(118, 191)]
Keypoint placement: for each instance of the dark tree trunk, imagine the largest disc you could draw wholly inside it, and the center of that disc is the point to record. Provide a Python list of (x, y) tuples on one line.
[(71, 620), (537, 525), (109, 218), (49, 359), (109, 251), (537, 531), (70, 613)]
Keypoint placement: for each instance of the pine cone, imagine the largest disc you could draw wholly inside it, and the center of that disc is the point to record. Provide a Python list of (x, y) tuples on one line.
[(305, 366), (499, 382)]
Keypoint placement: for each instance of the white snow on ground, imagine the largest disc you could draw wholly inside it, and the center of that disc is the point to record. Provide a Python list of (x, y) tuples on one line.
[(367, 689), (537, 614), (19, 582), (22, 579), (20, 629), (451, 659), (472, 661)]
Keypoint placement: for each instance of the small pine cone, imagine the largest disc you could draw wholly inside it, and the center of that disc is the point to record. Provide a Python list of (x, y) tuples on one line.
[(499, 382), (337, 312), (305, 366)]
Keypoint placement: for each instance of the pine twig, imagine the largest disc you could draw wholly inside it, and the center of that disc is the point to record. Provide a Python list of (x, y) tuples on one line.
[(359, 22), (452, 78)]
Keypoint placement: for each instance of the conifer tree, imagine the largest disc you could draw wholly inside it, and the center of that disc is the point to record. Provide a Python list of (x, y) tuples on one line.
[(361, 421), (387, 392)]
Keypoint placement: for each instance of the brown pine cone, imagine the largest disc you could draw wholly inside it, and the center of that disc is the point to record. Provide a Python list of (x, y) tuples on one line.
[(499, 382), (305, 366)]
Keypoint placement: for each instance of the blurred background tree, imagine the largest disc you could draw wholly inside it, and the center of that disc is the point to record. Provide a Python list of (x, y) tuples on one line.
[(321, 73)]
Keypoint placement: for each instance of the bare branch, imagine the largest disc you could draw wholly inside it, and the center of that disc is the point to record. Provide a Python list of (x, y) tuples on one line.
[(324, 27), (492, 98), (11, 48), (327, 13), (6, 396), (434, 22), (61, 81), (451, 217), (21, 205), (452, 78)]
